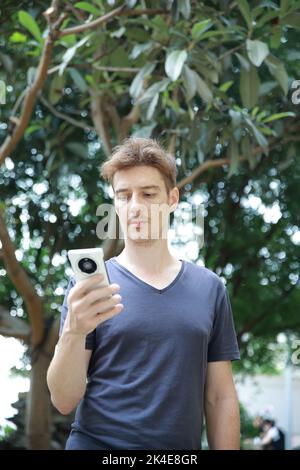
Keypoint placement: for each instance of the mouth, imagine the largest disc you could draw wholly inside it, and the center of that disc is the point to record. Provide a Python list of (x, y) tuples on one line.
[(137, 222)]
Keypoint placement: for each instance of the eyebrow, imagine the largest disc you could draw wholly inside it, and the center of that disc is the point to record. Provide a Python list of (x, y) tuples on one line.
[(152, 186)]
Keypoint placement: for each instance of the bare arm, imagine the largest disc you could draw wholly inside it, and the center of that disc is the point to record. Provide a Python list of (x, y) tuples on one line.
[(221, 407), (67, 373)]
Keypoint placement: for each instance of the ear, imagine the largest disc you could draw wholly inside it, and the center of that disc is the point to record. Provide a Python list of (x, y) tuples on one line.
[(173, 198)]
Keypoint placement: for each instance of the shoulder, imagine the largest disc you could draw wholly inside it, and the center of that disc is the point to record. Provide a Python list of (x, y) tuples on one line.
[(274, 433), (206, 275)]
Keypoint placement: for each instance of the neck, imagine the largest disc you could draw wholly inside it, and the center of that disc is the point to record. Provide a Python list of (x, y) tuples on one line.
[(152, 256)]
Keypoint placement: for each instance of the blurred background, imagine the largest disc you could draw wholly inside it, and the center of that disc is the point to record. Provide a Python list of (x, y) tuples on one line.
[(218, 84)]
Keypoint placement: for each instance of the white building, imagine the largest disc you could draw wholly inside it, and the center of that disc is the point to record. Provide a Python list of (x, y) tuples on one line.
[(277, 396)]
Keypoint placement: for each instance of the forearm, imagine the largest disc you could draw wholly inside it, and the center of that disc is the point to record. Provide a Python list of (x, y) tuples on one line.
[(223, 423), (66, 375)]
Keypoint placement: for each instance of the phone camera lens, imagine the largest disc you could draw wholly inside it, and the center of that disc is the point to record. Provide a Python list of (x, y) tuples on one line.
[(87, 265)]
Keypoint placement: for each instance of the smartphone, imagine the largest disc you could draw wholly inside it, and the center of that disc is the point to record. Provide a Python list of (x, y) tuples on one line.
[(88, 261)]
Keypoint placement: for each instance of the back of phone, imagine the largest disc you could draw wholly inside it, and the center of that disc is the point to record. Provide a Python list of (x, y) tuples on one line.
[(87, 262)]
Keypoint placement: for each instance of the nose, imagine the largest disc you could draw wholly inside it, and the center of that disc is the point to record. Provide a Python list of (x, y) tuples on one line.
[(136, 206)]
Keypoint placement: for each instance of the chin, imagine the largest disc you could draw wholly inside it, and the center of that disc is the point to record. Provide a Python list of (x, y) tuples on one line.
[(138, 240)]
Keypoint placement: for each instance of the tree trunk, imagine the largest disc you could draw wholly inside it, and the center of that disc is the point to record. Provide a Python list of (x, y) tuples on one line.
[(38, 417), (38, 407)]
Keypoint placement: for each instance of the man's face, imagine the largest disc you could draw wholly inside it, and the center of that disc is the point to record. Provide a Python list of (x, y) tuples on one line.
[(142, 203)]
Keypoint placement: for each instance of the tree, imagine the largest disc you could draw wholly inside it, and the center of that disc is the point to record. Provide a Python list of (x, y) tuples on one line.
[(211, 81)]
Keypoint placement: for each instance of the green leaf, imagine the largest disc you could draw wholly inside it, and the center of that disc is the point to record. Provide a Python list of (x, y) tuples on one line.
[(257, 51), (78, 149), (226, 85), (69, 54), (203, 89), (130, 3), (211, 34), (267, 131), (275, 40), (138, 81), (145, 131), (236, 118), (6, 63), (199, 28), (184, 6), (249, 87), (139, 49), (208, 72), (266, 87), (247, 151), (194, 83), (261, 116), (276, 116), (88, 7), (152, 106), (30, 24), (245, 10), (234, 157), (284, 6), (276, 68), (56, 88), (78, 79), (243, 61), (189, 81), (174, 63), (261, 140), (118, 33), (18, 37), (31, 129), (31, 74), (266, 18), (292, 20), (68, 41), (153, 90)]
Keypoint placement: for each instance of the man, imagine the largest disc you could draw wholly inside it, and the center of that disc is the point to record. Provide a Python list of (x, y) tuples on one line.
[(273, 438), (160, 359)]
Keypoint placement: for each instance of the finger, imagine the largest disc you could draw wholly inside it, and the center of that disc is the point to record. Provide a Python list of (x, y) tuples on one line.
[(99, 294), (111, 313), (85, 285), (104, 305)]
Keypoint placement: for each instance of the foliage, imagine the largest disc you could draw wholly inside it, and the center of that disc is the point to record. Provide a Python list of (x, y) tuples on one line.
[(213, 82)]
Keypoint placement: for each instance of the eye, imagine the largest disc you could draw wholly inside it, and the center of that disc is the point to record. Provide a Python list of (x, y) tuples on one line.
[(122, 197), (149, 194)]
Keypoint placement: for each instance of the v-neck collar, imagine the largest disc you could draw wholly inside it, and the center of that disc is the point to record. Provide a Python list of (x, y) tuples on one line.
[(149, 286)]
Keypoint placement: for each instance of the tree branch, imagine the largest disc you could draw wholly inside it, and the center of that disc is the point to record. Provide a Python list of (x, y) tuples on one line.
[(172, 144), (65, 117), (106, 68), (120, 11), (23, 285), (13, 326), (128, 121), (100, 122), (267, 312), (51, 14), (93, 24), (21, 123), (216, 163), (203, 168)]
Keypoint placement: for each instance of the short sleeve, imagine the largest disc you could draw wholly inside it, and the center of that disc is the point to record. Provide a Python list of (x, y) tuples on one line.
[(223, 345), (91, 337)]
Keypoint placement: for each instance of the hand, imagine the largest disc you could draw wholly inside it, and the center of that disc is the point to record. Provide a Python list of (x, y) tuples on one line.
[(89, 305)]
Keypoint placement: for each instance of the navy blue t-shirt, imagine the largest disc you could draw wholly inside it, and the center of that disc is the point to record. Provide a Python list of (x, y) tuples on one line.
[(146, 377)]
